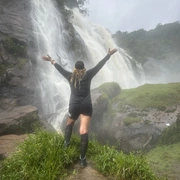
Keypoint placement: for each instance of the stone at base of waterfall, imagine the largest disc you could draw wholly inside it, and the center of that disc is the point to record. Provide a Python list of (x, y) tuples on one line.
[(20, 120)]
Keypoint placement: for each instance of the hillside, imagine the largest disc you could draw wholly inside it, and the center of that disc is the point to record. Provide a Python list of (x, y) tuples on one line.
[(160, 43)]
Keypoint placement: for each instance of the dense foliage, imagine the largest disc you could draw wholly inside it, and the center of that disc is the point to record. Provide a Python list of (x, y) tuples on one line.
[(159, 43)]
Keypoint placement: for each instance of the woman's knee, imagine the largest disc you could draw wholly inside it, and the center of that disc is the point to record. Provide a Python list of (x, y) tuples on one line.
[(70, 122), (83, 130)]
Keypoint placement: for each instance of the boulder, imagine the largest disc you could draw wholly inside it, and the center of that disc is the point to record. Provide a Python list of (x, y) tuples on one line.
[(21, 120)]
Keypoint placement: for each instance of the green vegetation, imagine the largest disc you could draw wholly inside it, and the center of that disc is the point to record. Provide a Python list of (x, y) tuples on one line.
[(13, 47), (130, 120), (171, 134), (42, 156), (3, 67), (165, 161), (111, 89), (21, 62), (159, 43), (150, 96), (117, 165)]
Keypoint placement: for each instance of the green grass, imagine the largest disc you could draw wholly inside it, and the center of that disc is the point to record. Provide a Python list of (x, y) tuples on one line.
[(42, 156), (117, 165), (150, 96), (130, 120), (165, 161)]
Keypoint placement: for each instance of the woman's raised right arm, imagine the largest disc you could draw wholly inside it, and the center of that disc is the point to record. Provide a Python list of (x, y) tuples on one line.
[(57, 66)]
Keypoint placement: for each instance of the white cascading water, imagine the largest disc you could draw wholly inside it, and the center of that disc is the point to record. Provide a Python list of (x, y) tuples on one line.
[(98, 40), (48, 30)]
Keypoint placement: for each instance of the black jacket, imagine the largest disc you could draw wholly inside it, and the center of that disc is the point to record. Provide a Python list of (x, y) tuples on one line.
[(82, 94)]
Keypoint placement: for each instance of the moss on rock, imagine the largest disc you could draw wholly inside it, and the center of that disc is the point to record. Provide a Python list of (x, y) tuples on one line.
[(112, 89)]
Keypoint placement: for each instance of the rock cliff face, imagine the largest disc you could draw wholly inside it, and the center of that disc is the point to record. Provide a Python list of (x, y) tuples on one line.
[(17, 115), (15, 30), (14, 19)]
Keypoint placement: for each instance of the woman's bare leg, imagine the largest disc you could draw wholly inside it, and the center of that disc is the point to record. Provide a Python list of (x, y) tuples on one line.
[(84, 124)]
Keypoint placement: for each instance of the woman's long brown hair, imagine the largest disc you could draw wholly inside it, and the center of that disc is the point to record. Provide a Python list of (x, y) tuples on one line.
[(77, 76)]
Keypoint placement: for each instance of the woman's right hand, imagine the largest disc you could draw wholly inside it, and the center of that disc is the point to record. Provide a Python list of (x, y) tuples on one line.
[(47, 58)]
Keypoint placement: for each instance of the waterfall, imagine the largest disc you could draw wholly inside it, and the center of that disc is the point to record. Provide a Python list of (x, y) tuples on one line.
[(98, 40), (48, 30)]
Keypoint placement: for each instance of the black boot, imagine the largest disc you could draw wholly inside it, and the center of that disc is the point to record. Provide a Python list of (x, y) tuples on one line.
[(83, 149), (83, 162), (66, 144)]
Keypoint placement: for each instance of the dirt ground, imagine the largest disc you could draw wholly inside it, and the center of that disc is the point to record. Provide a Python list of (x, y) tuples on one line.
[(8, 143), (88, 173)]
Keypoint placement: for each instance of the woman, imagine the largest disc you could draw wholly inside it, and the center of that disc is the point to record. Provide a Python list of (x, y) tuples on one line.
[(80, 99)]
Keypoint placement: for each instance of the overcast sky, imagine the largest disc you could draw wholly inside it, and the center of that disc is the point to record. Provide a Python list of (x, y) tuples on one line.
[(130, 15)]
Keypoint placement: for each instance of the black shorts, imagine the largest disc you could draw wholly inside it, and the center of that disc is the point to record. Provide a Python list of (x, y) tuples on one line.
[(76, 109)]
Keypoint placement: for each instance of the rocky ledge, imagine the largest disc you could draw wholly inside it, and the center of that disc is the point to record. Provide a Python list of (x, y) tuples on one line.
[(16, 122)]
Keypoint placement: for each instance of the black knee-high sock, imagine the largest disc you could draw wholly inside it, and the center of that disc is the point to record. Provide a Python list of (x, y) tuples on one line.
[(68, 132), (84, 145)]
